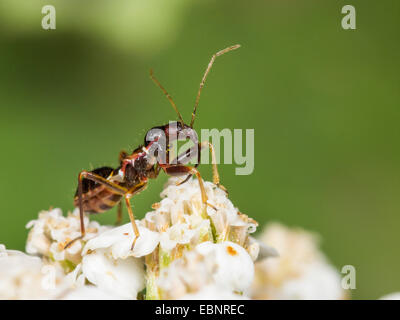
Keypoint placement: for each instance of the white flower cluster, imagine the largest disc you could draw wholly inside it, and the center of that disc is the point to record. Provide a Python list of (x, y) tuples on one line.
[(185, 251), (210, 271), (179, 236), (23, 276), (52, 231), (184, 225), (300, 272)]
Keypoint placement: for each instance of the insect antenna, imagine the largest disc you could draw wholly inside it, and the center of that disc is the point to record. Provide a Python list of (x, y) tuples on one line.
[(203, 80), (167, 95)]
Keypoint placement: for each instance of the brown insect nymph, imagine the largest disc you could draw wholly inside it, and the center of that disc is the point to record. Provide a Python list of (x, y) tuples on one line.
[(103, 188)]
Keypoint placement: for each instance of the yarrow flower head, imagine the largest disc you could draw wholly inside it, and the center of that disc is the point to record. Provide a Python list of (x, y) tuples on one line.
[(184, 224), (181, 219), (111, 264), (224, 269), (179, 236), (186, 250), (301, 271), (52, 231), (27, 277)]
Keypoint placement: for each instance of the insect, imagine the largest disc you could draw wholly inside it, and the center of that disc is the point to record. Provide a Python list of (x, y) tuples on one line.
[(103, 188)]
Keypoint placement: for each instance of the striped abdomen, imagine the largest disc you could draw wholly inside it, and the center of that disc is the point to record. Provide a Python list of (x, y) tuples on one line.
[(96, 197)]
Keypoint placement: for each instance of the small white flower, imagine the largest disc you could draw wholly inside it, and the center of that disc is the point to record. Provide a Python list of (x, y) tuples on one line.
[(234, 266), (52, 231), (110, 263), (300, 271), (119, 241), (26, 277), (75, 278), (209, 268), (185, 275), (121, 277), (179, 233), (319, 281)]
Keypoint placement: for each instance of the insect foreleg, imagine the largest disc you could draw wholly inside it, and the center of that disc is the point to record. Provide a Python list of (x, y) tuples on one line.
[(216, 179), (134, 190), (180, 170), (183, 158)]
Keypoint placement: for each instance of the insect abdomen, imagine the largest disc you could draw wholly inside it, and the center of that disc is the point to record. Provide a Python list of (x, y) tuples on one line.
[(96, 197), (98, 200)]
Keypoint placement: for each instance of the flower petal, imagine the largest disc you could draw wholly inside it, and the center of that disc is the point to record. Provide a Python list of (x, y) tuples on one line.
[(119, 240), (122, 277), (235, 269)]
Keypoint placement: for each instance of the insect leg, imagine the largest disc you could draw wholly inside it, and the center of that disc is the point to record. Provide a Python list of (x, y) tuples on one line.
[(80, 214), (132, 218), (216, 179), (183, 159), (180, 170), (131, 192), (119, 214), (99, 179)]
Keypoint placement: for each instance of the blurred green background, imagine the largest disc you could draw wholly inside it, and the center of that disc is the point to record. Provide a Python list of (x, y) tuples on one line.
[(324, 103)]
